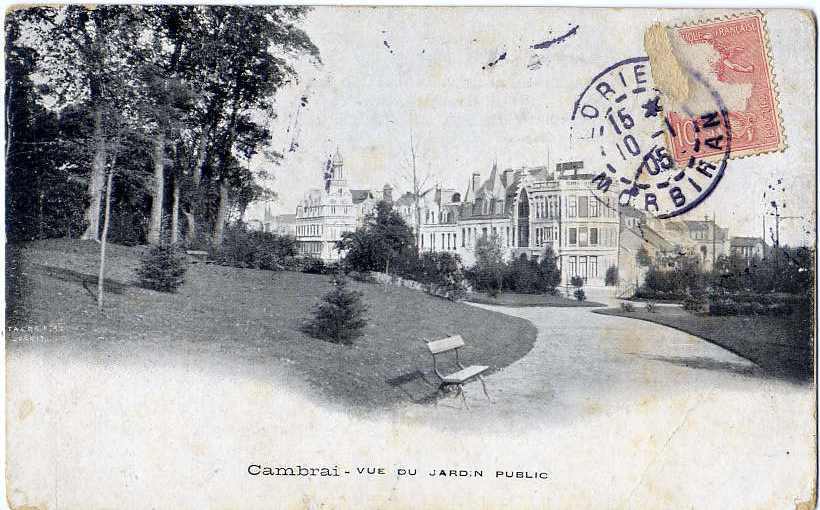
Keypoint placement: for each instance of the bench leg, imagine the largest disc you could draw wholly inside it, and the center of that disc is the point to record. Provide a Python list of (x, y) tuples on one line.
[(484, 386), (463, 396)]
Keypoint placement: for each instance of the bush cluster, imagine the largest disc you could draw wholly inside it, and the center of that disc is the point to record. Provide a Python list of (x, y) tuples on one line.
[(163, 268), (522, 275), (253, 249), (731, 307)]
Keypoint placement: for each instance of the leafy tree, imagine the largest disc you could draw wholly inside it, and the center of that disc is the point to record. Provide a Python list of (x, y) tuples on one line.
[(384, 239), (341, 315), (550, 273), (576, 281), (611, 278), (490, 266), (87, 55), (177, 97)]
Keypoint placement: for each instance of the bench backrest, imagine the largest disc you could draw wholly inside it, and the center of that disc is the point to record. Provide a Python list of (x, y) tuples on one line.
[(446, 344)]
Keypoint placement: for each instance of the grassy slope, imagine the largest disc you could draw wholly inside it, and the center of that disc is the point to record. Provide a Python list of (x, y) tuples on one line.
[(515, 299), (255, 315), (781, 346)]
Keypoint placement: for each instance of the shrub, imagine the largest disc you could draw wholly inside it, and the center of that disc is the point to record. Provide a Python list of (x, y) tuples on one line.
[(253, 249), (549, 273), (611, 278), (340, 316), (580, 295), (313, 265), (695, 300), (361, 277), (627, 307), (163, 268), (576, 281), (651, 307)]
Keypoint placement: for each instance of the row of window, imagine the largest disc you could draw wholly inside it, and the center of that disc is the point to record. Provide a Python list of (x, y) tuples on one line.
[(583, 266), (589, 207), (470, 235), (323, 210), (310, 247), (583, 236), (447, 217), (449, 241), (547, 207), (545, 234), (308, 230)]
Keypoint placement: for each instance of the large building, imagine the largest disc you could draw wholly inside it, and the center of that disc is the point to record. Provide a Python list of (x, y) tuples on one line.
[(748, 247), (527, 209), (325, 214)]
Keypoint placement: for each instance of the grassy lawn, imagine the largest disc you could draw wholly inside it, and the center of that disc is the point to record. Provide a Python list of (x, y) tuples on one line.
[(255, 316), (781, 346), (515, 299)]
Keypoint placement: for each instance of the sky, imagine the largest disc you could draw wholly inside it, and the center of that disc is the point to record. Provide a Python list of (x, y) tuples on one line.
[(390, 73)]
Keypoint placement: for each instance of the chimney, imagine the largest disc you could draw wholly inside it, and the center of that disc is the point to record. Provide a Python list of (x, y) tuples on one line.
[(508, 177), (476, 182), (388, 193), (438, 194)]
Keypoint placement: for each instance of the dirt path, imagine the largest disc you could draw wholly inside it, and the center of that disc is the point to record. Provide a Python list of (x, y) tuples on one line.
[(619, 413)]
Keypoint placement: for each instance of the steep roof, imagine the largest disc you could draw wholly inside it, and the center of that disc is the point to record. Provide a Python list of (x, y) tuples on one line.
[(745, 241), (406, 199), (360, 195), (697, 225)]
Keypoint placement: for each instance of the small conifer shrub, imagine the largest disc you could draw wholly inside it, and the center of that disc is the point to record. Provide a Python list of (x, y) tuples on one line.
[(163, 269), (340, 316)]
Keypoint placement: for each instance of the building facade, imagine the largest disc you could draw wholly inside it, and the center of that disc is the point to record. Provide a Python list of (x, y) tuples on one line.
[(325, 214), (748, 247), (528, 209), (560, 209)]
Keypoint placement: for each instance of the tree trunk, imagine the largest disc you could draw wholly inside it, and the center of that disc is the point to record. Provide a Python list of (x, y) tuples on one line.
[(155, 222), (221, 213), (96, 183), (190, 235), (202, 150), (101, 276), (175, 212)]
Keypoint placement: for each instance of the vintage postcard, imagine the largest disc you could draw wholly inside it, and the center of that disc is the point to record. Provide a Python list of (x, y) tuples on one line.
[(346, 257)]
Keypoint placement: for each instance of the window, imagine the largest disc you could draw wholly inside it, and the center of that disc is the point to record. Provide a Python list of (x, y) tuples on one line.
[(462, 237), (442, 241), (483, 231), (573, 236), (582, 236), (573, 266), (593, 267), (508, 236), (593, 208), (582, 267), (583, 210), (593, 237), (571, 207)]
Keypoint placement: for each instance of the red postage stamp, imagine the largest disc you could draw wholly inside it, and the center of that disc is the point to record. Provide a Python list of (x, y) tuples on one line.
[(730, 57)]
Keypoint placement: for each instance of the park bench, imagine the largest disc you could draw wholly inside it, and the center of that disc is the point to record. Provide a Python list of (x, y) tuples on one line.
[(463, 375), (197, 255)]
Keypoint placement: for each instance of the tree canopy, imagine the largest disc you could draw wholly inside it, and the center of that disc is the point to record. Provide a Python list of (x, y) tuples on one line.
[(174, 99)]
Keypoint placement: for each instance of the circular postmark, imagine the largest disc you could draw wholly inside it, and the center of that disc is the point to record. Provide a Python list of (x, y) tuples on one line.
[(651, 153)]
